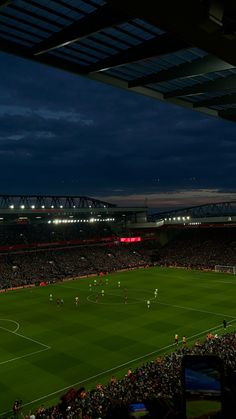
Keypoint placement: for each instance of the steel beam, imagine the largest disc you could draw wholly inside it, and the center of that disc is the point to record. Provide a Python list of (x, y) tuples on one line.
[(162, 44), (216, 101), (37, 201), (187, 20), (229, 114), (92, 23), (53, 61), (203, 65), (205, 210), (226, 84)]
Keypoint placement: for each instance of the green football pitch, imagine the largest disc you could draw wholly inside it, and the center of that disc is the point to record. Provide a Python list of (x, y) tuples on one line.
[(45, 349)]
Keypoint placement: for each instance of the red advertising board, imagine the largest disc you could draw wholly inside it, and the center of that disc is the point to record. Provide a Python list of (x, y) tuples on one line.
[(130, 239)]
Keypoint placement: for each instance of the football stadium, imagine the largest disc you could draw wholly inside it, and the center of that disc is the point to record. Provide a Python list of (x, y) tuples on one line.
[(93, 296), (112, 311)]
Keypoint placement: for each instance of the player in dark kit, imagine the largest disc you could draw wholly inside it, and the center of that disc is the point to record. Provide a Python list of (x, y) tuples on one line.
[(224, 324)]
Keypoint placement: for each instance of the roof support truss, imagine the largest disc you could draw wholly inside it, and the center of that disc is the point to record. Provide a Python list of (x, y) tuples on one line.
[(203, 65), (88, 25), (217, 101), (56, 62), (229, 114), (225, 84), (186, 20), (162, 44)]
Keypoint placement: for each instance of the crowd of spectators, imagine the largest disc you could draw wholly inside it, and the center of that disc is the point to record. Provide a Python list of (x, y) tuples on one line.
[(26, 234), (157, 383), (24, 268), (200, 249)]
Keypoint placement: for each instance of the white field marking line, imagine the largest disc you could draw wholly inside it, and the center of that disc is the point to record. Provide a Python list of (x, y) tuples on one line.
[(24, 356), (157, 300), (46, 347), (113, 303), (12, 321), (195, 309), (117, 367), (138, 300), (26, 337)]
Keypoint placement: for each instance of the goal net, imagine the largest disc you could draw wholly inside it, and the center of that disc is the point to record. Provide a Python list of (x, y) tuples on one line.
[(226, 269)]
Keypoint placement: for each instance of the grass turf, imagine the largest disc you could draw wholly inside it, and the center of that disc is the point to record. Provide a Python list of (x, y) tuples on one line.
[(45, 349)]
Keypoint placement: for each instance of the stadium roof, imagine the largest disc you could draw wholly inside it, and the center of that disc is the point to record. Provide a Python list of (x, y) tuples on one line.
[(48, 201), (178, 51), (215, 209)]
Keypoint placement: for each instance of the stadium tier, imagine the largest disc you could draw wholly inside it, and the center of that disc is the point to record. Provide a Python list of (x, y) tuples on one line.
[(52, 238), (112, 296)]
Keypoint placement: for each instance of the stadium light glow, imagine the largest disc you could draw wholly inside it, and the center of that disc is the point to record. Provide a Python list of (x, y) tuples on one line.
[(90, 220), (43, 206), (11, 206), (32, 206), (22, 206)]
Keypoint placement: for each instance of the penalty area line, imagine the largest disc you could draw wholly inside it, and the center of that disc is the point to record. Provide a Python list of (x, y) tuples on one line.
[(45, 347), (14, 322), (118, 367), (26, 337), (24, 356)]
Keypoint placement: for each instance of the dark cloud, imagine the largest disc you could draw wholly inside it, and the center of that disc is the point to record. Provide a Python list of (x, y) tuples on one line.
[(64, 134)]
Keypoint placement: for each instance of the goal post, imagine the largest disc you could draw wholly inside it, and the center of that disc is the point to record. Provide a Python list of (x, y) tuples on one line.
[(226, 269)]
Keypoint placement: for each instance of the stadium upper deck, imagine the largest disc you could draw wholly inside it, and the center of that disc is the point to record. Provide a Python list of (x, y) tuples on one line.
[(178, 51), (18, 209)]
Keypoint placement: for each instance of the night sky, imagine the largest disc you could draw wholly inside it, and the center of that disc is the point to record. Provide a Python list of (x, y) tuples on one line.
[(64, 134)]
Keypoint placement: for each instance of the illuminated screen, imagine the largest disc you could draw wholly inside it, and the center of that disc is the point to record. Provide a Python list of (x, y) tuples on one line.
[(202, 390), (130, 239)]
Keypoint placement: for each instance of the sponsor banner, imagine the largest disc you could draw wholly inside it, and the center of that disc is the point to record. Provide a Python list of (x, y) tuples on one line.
[(130, 239)]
